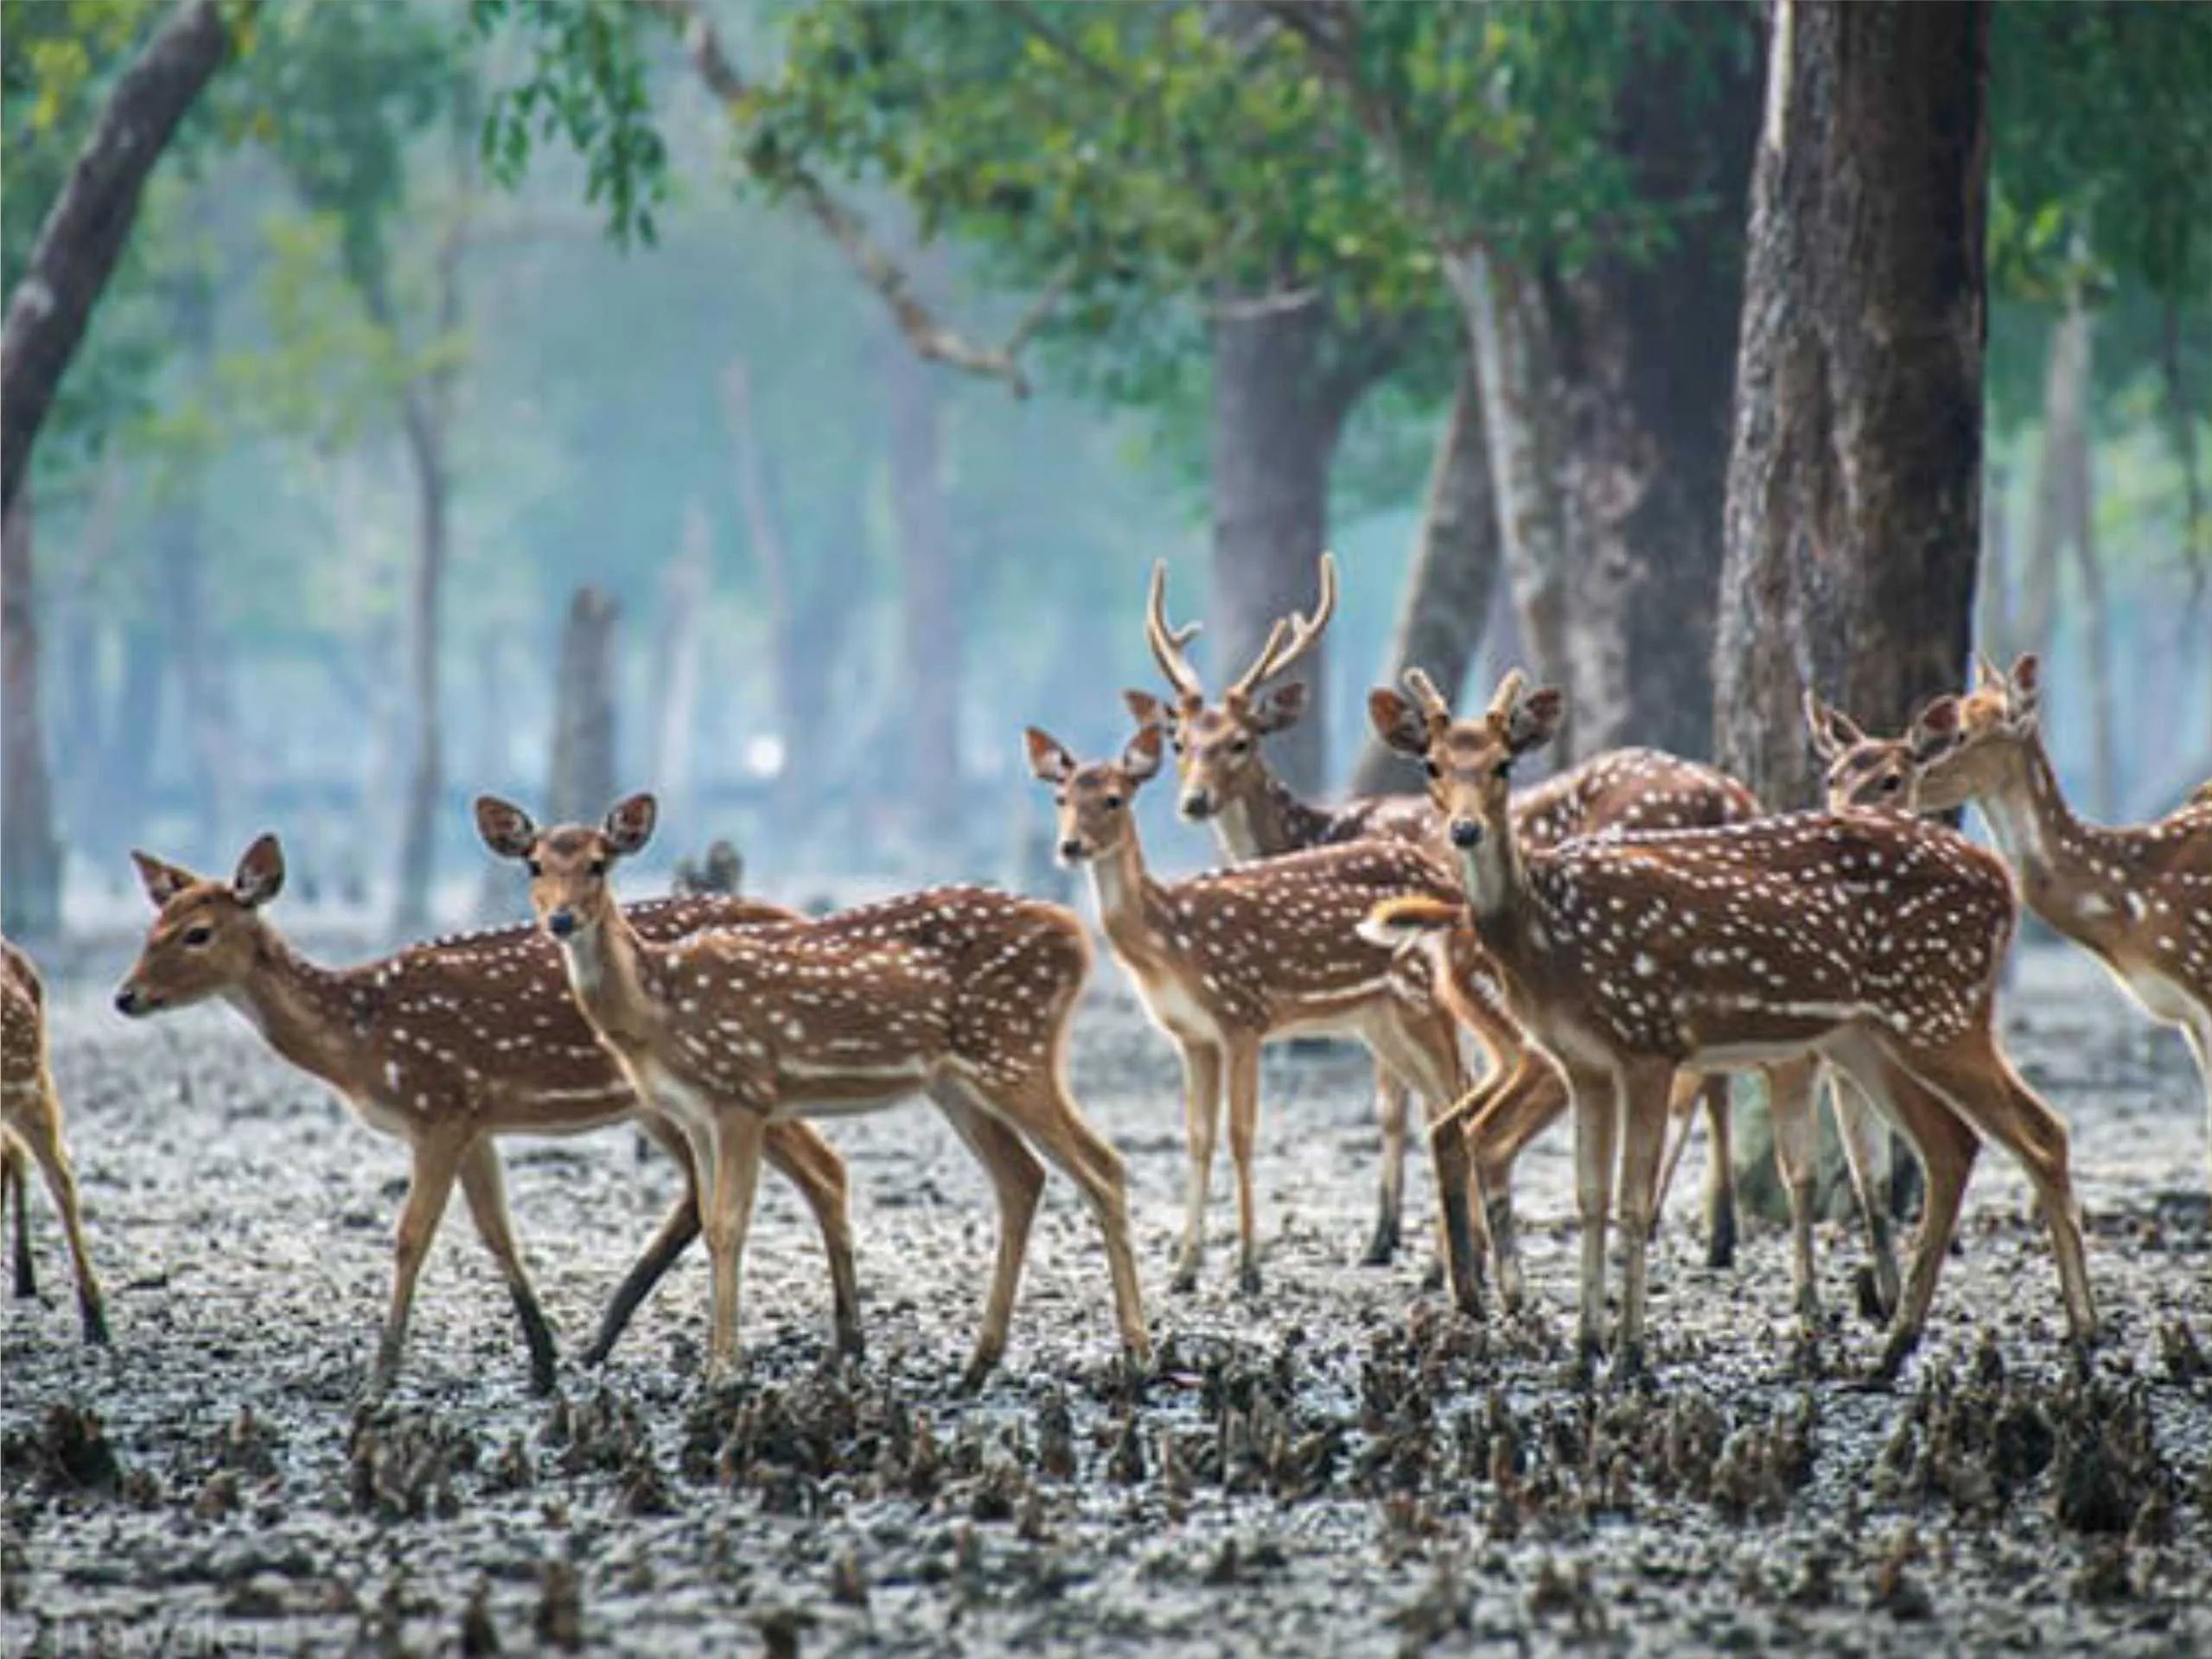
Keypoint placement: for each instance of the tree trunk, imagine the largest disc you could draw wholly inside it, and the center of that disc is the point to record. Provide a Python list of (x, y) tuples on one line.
[(2066, 413), (425, 435), (1448, 592), (2096, 609), (675, 656), (85, 230), (1993, 623), (1854, 488), (581, 787), (929, 631), (30, 854), (197, 655)]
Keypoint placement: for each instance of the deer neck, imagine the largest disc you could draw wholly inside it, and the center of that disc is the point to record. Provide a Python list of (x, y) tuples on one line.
[(1127, 898), (1269, 819), (604, 970), (2033, 826), (309, 1015), (1497, 891)]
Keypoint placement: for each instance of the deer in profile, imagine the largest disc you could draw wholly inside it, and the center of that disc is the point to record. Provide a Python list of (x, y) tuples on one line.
[(1224, 780), (30, 1131), (961, 994), (1871, 940), (1226, 962), (447, 1046)]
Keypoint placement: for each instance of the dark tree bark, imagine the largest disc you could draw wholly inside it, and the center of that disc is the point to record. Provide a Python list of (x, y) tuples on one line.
[(1854, 487), (929, 625), (30, 853), (85, 230), (581, 787), (1446, 605)]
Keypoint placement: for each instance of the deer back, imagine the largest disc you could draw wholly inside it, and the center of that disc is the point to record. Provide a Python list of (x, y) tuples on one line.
[(1628, 789)]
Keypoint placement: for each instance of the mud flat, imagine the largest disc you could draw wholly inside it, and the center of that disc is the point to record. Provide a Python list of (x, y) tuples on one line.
[(1337, 1466)]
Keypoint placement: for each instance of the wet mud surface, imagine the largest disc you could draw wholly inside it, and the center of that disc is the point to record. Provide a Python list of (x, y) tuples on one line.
[(1337, 1465)]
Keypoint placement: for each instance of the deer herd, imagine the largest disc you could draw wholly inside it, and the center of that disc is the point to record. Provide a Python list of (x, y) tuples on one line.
[(1615, 940)]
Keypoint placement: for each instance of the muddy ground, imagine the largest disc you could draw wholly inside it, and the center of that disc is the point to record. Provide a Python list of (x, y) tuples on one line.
[(1334, 1467)]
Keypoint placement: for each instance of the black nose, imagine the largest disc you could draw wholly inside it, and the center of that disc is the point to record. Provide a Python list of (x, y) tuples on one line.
[(560, 924), (127, 1001), (1071, 849), (1197, 804), (1465, 832)]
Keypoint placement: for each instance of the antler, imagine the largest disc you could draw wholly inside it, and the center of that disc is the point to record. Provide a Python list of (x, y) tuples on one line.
[(1167, 643), (1290, 638), (1508, 693)]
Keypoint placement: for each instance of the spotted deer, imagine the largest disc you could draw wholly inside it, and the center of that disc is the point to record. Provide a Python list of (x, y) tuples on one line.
[(2136, 898), (959, 993), (1871, 940), (448, 1046), (30, 1129), (1230, 960), (1225, 780)]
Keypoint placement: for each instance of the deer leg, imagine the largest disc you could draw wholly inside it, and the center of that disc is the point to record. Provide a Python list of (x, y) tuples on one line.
[(1016, 1179), (1426, 1050), (1793, 1110), (484, 1184), (673, 1236), (1243, 1078), (1720, 1176), (1202, 1107), (2198, 1034), (736, 1136), (796, 1152), (1595, 1095), (429, 1183), (1529, 1100), (40, 1130), (15, 1194), (1685, 1125), (1390, 1108), (1865, 1140), (1643, 1093)]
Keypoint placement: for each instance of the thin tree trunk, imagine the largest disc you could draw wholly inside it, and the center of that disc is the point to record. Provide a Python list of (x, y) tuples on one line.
[(2065, 391), (684, 591), (1993, 620), (30, 853), (581, 787), (1854, 490), (2096, 609), (197, 655), (85, 231), (1448, 592), (930, 630)]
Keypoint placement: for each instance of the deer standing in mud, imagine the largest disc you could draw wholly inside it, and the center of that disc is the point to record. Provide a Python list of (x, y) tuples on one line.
[(1871, 941), (447, 1046), (959, 993), (30, 1131)]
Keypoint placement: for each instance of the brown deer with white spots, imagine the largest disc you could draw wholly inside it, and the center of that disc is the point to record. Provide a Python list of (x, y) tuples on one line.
[(1869, 939), (2136, 898), (1225, 781), (448, 1045), (959, 993), (30, 1130), (1226, 962)]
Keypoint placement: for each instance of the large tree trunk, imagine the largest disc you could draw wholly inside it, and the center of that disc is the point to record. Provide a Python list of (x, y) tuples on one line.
[(30, 854), (929, 624), (1854, 488), (85, 230), (581, 787), (684, 591), (1446, 605)]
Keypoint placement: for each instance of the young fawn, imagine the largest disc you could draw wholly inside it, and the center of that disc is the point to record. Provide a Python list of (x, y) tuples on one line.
[(30, 1128), (450, 1045), (959, 993), (1870, 941), (2136, 898), (1226, 962)]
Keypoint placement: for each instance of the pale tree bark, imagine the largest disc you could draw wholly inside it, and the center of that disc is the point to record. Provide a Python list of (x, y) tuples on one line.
[(581, 786), (677, 651), (1995, 627), (30, 853), (89, 224), (2096, 613), (929, 625), (1446, 604), (1854, 487), (200, 668), (2065, 431)]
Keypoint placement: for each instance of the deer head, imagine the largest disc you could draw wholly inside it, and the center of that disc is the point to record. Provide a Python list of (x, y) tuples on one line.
[(1880, 773), (569, 864), (1469, 762), (207, 934), (1217, 744), (1995, 722), (1094, 803)]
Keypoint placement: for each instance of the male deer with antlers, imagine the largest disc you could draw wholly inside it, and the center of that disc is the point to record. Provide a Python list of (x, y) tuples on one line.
[(959, 993), (2138, 898), (30, 1126), (1226, 781), (1225, 961), (1871, 940), (448, 1045)]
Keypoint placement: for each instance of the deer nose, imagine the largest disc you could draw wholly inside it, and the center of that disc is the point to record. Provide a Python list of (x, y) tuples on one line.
[(1071, 849), (560, 923), (127, 1001), (1198, 804), (1466, 832)]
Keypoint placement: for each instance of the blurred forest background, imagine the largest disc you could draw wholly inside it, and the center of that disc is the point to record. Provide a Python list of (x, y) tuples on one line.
[(820, 382)]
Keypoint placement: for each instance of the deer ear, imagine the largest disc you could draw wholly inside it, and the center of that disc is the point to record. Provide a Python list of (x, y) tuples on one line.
[(1936, 729), (1140, 758), (260, 874), (1049, 761), (1146, 709), (163, 881), (505, 828), (1535, 719), (2024, 690), (1398, 722), (1832, 731), (630, 822), (1280, 709)]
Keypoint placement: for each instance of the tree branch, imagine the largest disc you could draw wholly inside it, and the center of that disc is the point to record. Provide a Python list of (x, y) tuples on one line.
[(85, 232), (924, 333)]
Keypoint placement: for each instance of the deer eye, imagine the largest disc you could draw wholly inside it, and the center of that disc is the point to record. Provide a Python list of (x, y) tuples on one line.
[(535, 868), (198, 935)]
